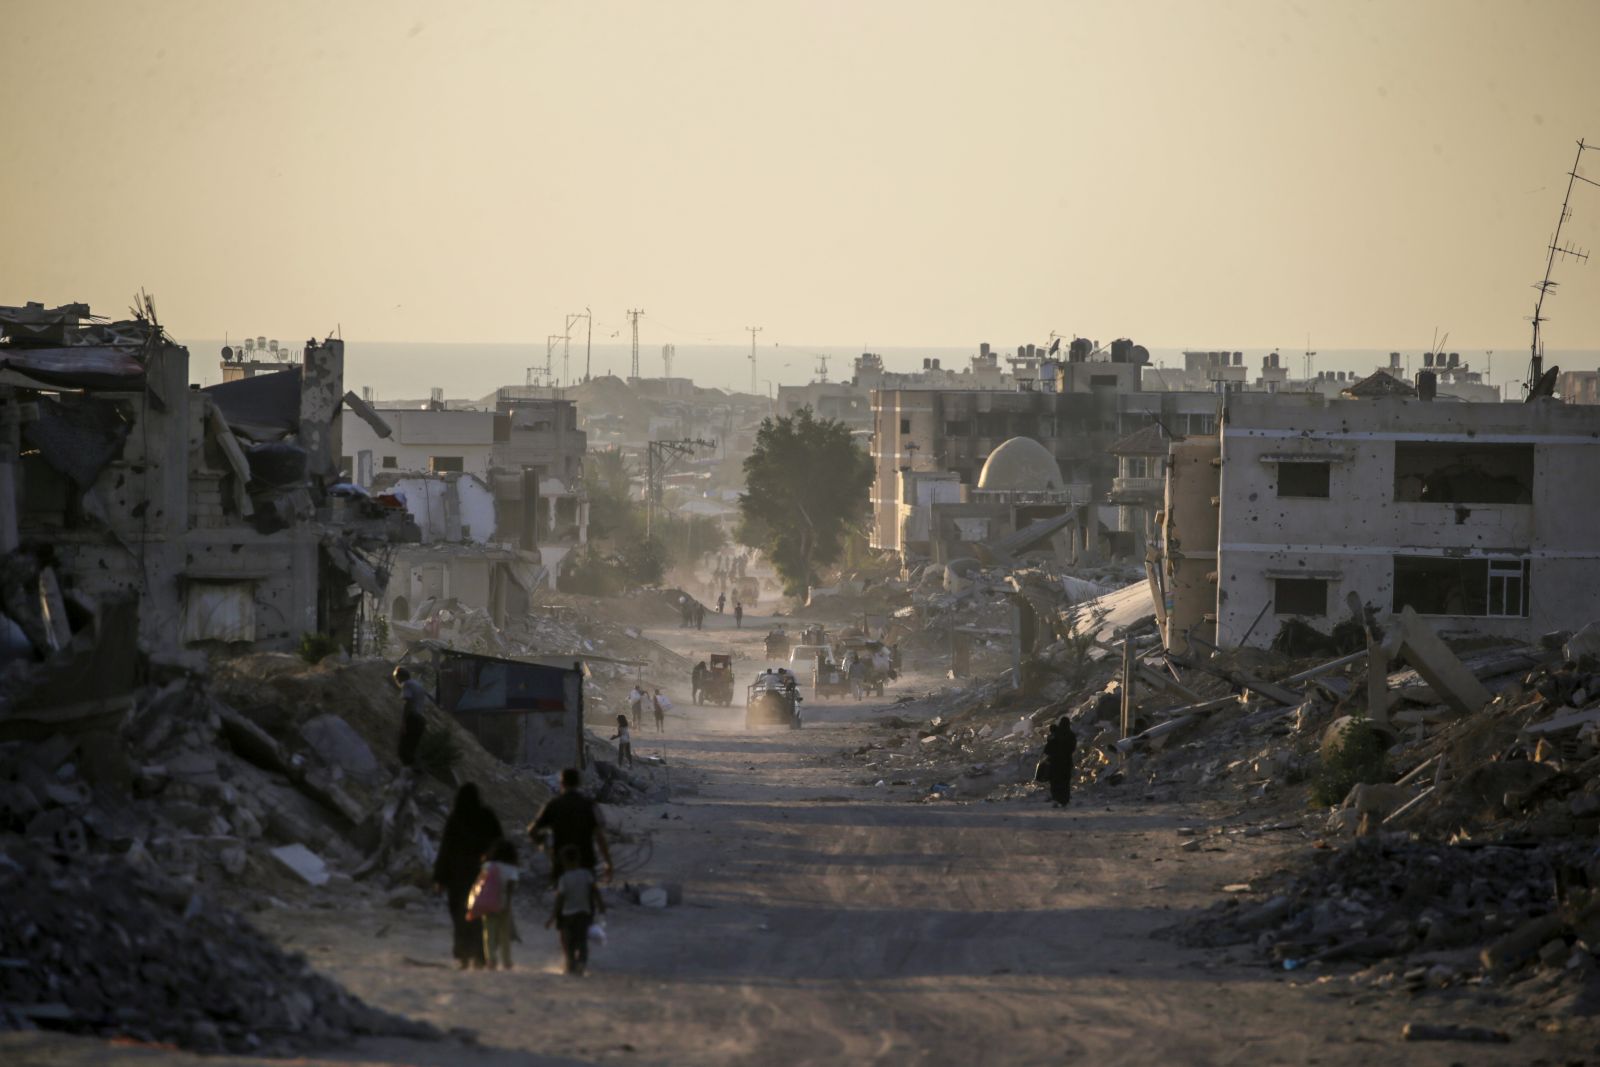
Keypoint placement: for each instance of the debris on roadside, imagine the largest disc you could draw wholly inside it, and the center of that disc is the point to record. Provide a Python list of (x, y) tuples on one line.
[(95, 945)]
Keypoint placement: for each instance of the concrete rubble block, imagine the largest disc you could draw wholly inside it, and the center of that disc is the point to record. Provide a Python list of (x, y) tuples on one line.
[(233, 859), (18, 803), (1513, 949), (66, 794), (319, 785), (1377, 798), (51, 753), (245, 823), (253, 744), (339, 745), (1563, 720), (1439, 667), (1584, 643), (303, 863), (1344, 821), (193, 767), (103, 761)]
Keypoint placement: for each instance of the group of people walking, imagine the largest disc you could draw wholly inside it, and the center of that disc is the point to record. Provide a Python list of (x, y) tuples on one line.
[(477, 871)]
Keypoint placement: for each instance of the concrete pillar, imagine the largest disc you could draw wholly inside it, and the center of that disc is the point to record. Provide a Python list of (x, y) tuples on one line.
[(321, 389), (1189, 538)]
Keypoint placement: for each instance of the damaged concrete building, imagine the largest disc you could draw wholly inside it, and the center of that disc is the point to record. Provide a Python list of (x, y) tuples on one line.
[(1467, 513), (503, 486), (196, 519), (930, 447)]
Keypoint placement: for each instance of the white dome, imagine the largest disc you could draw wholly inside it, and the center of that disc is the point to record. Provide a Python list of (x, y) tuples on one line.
[(1020, 464)]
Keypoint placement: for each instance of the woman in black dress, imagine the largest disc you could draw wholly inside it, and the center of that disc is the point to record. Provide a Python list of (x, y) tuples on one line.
[(468, 832)]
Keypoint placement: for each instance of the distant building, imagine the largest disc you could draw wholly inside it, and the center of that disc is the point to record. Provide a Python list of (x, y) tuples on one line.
[(1140, 485), (1073, 409), (522, 465), (850, 401), (1579, 386)]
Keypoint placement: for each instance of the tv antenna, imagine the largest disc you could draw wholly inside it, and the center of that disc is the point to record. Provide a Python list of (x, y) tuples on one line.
[(822, 367), (1535, 385), (1310, 355)]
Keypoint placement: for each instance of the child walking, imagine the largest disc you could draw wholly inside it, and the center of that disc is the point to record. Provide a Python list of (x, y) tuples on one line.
[(576, 905), (624, 740), (491, 901)]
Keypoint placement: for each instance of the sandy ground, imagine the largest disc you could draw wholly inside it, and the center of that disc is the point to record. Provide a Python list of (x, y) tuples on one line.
[(825, 922)]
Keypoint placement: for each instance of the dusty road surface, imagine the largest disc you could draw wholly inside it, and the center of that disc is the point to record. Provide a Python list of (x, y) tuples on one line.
[(829, 921)]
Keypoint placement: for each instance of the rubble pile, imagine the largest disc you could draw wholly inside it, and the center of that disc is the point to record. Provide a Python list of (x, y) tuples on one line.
[(275, 779), (1393, 912), (1527, 766), (94, 946)]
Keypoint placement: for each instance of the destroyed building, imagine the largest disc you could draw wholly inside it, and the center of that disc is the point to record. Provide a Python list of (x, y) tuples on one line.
[(141, 514), (504, 486), (1074, 409), (1466, 513)]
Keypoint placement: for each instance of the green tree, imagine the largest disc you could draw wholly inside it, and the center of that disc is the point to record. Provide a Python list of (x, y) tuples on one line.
[(806, 484), (613, 513), (685, 538)]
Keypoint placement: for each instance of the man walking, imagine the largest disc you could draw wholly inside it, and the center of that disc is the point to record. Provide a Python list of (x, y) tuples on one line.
[(412, 722), (738, 615), (572, 819)]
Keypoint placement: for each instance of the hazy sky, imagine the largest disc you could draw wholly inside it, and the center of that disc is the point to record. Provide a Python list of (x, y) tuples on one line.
[(873, 172)]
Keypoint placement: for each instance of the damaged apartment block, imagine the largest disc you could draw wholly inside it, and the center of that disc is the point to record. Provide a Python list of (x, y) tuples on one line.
[(1300, 506), (143, 518)]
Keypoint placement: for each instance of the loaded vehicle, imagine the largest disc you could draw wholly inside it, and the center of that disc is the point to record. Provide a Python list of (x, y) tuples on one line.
[(804, 657), (829, 678), (778, 643), (718, 685), (773, 699), (748, 590), (879, 662)]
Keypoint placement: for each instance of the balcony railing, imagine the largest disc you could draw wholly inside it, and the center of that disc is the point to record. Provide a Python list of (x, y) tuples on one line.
[(1133, 487)]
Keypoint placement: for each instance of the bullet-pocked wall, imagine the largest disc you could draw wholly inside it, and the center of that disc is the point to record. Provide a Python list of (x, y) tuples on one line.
[(1466, 512)]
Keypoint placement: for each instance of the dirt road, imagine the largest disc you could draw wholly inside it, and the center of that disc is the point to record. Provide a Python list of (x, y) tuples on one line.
[(825, 923)]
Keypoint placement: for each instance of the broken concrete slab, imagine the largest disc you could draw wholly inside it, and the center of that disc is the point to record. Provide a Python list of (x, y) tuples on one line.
[(1563, 720), (303, 863), (1414, 641), (1586, 642), (339, 745), (1377, 798)]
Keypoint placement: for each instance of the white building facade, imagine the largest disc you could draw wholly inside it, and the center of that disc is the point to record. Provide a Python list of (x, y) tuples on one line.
[(1474, 515)]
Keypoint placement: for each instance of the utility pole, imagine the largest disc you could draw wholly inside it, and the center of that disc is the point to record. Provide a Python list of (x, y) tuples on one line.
[(549, 354), (633, 317), (753, 331), (660, 458), (566, 353), (587, 341)]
